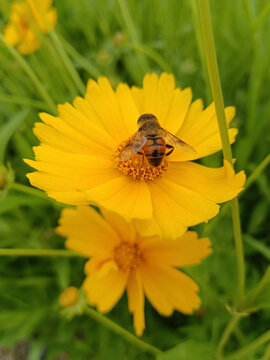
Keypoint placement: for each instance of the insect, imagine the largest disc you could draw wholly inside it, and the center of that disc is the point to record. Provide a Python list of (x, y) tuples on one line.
[(152, 141)]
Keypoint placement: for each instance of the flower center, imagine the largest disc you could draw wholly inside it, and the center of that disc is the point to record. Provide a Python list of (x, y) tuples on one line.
[(138, 166), (127, 256)]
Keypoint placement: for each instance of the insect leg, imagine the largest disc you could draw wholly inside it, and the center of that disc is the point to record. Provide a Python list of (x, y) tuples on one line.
[(171, 149), (141, 153)]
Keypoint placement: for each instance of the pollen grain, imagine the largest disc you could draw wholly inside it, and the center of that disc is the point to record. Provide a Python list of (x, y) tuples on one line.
[(137, 168), (127, 256)]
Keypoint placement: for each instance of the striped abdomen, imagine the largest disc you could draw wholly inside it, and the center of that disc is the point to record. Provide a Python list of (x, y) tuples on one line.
[(154, 150)]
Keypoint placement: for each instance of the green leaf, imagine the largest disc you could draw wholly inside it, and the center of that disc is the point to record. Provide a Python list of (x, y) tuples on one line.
[(258, 245), (11, 202), (8, 130), (189, 350)]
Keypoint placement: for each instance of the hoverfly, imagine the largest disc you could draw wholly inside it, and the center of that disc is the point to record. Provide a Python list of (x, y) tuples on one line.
[(152, 141)]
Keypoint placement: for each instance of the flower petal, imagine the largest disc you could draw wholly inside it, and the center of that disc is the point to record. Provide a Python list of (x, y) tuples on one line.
[(135, 296), (125, 230), (104, 104), (128, 197), (87, 232), (175, 207), (185, 251), (128, 108), (11, 35), (200, 130), (72, 132), (169, 289), (215, 184), (104, 292), (160, 98), (61, 172)]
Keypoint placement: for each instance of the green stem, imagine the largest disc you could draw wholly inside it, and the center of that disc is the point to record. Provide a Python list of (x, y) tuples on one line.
[(132, 34), (66, 61), (226, 334), (196, 25), (266, 355), (250, 347), (258, 289), (82, 62), (31, 191), (152, 54), (38, 252), (259, 169), (43, 92), (212, 66), (109, 324), (19, 100), (250, 180), (62, 53)]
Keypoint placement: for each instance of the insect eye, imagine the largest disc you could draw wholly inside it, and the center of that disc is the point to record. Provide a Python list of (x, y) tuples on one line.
[(146, 117)]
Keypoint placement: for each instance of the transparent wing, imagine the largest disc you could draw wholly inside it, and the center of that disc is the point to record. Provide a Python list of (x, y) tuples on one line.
[(134, 145), (177, 143)]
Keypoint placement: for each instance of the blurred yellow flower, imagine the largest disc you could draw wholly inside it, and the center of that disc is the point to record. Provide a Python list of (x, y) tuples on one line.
[(69, 296), (123, 260), (78, 159), (25, 16)]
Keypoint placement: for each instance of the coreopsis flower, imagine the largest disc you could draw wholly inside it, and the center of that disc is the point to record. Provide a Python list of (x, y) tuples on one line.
[(121, 259), (26, 17), (69, 296), (79, 159)]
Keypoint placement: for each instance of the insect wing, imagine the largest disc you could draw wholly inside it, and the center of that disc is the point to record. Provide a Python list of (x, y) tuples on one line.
[(135, 144), (177, 143)]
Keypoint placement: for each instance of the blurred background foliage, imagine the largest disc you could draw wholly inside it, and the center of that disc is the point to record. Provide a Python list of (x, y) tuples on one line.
[(123, 40)]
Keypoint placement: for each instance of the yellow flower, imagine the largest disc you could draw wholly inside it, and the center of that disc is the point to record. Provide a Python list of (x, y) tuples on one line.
[(25, 16), (78, 159), (123, 260), (69, 296)]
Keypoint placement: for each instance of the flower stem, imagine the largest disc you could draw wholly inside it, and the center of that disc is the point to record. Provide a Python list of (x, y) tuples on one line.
[(133, 34), (31, 191), (259, 169), (266, 355), (109, 324), (41, 89), (38, 252), (258, 289), (250, 347), (226, 334), (19, 100), (250, 180), (66, 61), (82, 61), (213, 73)]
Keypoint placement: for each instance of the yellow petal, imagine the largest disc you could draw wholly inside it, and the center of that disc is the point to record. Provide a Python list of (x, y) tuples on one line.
[(104, 103), (72, 132), (185, 251), (11, 35), (70, 171), (200, 130), (169, 289), (128, 108), (160, 97), (125, 230), (128, 197), (29, 43), (104, 292), (86, 231), (175, 207), (100, 265), (136, 301), (215, 184)]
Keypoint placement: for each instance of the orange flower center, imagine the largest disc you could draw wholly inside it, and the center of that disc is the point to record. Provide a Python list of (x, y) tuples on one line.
[(127, 256), (138, 166)]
